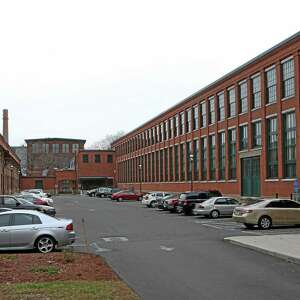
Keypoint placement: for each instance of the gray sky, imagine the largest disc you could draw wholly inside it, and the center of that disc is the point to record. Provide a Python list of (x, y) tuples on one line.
[(84, 69)]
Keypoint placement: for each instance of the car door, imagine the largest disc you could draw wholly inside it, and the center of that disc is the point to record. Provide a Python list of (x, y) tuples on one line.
[(275, 211), (290, 212), (231, 205), (5, 230), (221, 205), (23, 230)]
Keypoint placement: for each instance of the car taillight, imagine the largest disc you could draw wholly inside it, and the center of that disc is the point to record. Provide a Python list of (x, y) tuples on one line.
[(69, 227)]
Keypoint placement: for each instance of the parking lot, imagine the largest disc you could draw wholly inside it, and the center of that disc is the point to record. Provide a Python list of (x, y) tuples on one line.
[(163, 256)]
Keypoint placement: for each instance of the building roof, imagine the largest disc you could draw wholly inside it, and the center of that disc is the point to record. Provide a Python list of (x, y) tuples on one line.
[(219, 81), (55, 139), (96, 150), (9, 150)]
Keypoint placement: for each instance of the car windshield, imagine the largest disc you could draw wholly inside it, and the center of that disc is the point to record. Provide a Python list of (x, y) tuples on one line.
[(23, 201), (182, 196), (170, 196)]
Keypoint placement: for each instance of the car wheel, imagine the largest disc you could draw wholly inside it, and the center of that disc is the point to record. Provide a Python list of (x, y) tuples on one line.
[(249, 226), (264, 222), (152, 204), (45, 244), (214, 214), (102, 196)]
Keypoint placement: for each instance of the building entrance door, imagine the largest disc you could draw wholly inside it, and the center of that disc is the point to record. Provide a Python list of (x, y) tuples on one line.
[(251, 176)]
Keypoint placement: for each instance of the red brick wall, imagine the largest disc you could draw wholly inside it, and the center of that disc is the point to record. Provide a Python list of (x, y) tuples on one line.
[(280, 185), (92, 168), (29, 183)]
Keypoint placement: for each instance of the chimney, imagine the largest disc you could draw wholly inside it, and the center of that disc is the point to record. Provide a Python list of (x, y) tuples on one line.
[(5, 125)]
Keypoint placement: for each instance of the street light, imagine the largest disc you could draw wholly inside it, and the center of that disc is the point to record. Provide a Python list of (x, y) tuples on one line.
[(140, 175), (191, 170)]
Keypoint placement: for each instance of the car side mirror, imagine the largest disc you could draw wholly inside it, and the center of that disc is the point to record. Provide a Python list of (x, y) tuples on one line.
[(18, 204)]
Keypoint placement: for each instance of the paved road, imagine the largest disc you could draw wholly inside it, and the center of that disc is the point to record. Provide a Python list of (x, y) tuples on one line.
[(167, 256)]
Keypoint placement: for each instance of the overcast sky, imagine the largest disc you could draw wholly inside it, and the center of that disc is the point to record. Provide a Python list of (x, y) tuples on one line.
[(84, 69)]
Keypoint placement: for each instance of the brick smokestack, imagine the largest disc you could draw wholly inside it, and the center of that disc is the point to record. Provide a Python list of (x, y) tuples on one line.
[(5, 125)]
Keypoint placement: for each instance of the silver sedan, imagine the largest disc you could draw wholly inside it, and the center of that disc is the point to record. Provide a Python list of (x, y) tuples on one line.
[(28, 229), (215, 207)]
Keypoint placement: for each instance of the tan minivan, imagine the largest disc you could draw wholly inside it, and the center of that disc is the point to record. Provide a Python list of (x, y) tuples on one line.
[(268, 212)]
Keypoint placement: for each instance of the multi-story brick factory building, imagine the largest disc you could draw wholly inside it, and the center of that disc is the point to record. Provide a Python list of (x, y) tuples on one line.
[(237, 135)]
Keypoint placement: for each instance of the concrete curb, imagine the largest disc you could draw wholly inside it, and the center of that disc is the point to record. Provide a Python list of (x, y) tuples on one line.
[(262, 250)]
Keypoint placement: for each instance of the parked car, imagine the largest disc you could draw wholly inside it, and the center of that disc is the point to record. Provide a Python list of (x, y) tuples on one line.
[(151, 199), (216, 207), (27, 229), (49, 210), (103, 192), (3, 209), (269, 212), (126, 195), (188, 200), (15, 203), (171, 204), (38, 192), (162, 202), (91, 193), (36, 199)]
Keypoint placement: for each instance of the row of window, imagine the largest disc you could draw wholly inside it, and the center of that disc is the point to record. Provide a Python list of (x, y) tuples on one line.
[(214, 108), (54, 148), (96, 158), (198, 158)]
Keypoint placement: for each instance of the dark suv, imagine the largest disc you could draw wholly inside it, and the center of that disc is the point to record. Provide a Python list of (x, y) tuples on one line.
[(187, 200)]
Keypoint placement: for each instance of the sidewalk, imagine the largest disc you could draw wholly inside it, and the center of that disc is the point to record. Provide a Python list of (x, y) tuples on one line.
[(285, 246)]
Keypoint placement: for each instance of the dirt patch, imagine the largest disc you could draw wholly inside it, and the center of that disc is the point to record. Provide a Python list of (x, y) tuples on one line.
[(58, 266)]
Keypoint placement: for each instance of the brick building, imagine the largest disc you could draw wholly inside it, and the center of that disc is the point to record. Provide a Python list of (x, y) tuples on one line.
[(46, 155), (62, 165), (95, 168), (237, 134), (9, 162)]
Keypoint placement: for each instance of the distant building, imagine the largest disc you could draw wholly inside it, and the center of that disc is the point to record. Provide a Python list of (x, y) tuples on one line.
[(46, 155), (21, 152)]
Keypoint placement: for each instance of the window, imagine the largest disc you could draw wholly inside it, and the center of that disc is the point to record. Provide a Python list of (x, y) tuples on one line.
[(157, 134), (272, 148), (45, 148), (171, 129), (196, 159), (157, 166), (25, 219), (152, 135), (271, 85), (256, 134), (211, 116), (231, 103), (222, 155), (75, 148), (152, 167), (195, 118), (176, 127), (161, 165), (161, 132), (85, 158), (288, 82), (204, 158), (10, 201), (221, 107), (166, 158), (189, 121), (203, 114), (171, 163), (232, 153), (212, 157), (243, 97), (182, 162), (181, 123), (256, 92), (176, 160), (243, 137), (4, 220), (35, 148), (65, 148), (97, 158), (109, 158), (166, 131), (188, 160), (289, 144)]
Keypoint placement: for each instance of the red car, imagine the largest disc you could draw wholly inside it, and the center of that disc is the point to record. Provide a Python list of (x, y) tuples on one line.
[(126, 195)]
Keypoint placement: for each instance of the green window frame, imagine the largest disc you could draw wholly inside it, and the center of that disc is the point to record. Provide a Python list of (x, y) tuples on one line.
[(176, 161), (212, 157), (182, 162), (196, 159), (256, 134), (288, 80), (272, 148), (289, 145), (222, 155), (204, 158), (232, 153), (171, 164), (243, 90), (243, 137), (188, 162), (271, 85), (221, 107), (256, 91)]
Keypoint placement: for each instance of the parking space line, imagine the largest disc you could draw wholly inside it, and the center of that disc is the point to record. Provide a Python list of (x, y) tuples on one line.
[(115, 239), (99, 249)]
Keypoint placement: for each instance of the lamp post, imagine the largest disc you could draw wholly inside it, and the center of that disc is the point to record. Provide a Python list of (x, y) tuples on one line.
[(140, 176), (191, 169)]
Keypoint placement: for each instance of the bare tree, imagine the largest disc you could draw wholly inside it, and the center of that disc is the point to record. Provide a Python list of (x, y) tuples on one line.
[(105, 143)]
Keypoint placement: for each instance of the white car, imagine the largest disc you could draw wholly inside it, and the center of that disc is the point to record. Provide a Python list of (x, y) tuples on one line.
[(151, 199), (48, 200)]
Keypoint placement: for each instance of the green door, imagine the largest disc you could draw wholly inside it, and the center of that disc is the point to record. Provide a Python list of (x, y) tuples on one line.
[(251, 177)]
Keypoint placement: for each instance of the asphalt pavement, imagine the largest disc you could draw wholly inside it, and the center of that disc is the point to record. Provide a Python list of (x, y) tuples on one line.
[(169, 256)]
